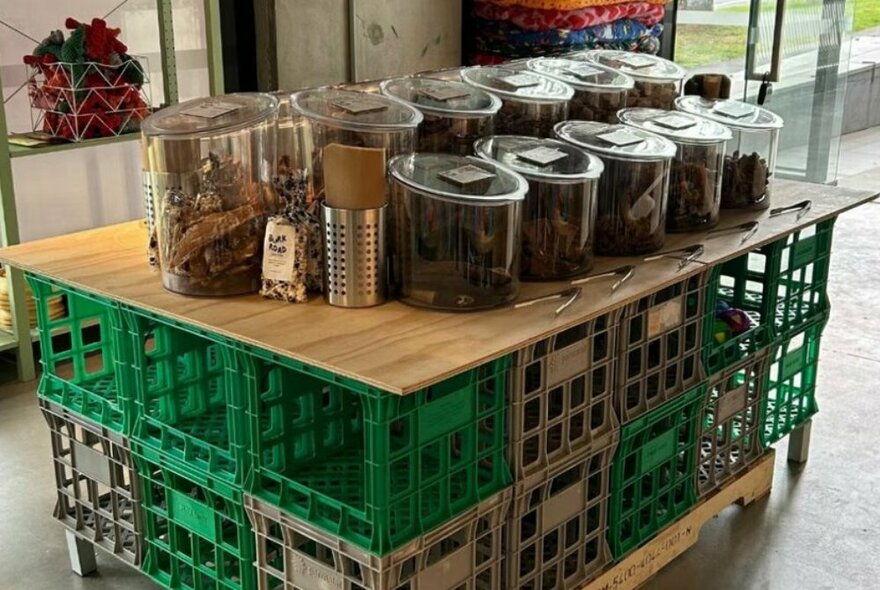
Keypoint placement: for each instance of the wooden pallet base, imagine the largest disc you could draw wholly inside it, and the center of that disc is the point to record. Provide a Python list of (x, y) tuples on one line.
[(642, 564)]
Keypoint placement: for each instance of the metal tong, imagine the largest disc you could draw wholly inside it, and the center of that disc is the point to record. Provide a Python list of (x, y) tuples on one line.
[(749, 227), (571, 294), (685, 255), (801, 208), (624, 272)]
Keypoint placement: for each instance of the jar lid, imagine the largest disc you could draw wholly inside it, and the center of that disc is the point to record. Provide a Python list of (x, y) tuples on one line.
[(677, 126), (618, 141), (442, 97), (461, 179), (518, 84), (641, 66), (734, 113), (582, 75), (548, 160), (203, 117), (356, 111)]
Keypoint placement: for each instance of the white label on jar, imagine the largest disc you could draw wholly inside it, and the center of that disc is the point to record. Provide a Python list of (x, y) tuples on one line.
[(445, 93), (621, 137), (675, 122), (542, 155), (734, 110), (279, 250), (211, 109), (465, 175), (520, 80), (636, 61), (583, 71), (358, 105)]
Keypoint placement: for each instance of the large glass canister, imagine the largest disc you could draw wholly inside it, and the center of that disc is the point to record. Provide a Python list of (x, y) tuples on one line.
[(455, 114), (456, 236), (631, 211), (599, 92), (559, 212), (658, 81), (751, 152), (354, 120), (695, 180), (210, 163), (532, 103)]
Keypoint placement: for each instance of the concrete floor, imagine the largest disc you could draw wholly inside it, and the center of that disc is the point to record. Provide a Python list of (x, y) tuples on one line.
[(817, 530)]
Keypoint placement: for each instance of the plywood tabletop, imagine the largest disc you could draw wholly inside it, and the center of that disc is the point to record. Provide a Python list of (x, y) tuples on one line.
[(394, 347)]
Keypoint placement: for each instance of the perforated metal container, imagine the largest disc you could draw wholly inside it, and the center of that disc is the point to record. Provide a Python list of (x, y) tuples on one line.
[(354, 256)]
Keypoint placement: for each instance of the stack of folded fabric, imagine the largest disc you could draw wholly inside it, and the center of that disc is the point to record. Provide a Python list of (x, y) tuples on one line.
[(512, 29)]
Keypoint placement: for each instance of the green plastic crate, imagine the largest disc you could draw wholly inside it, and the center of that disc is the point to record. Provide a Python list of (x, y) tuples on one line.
[(781, 286), (189, 396), (374, 468), (791, 382), (653, 474), (83, 355), (196, 531)]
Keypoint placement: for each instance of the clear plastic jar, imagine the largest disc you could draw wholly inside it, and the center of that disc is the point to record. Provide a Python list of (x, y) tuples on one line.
[(633, 191), (751, 152), (354, 119), (658, 81), (559, 212), (532, 103), (695, 180), (294, 144), (455, 114), (456, 237), (210, 163), (599, 92)]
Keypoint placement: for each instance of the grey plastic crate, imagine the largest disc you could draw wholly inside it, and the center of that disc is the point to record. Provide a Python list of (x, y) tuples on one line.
[(562, 396), (466, 554), (557, 536), (731, 423), (98, 490), (661, 343)]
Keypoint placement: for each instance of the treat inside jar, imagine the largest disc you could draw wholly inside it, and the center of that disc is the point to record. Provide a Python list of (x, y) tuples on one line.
[(658, 81)]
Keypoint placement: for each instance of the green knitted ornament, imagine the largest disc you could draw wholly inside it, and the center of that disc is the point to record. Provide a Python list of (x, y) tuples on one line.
[(134, 72)]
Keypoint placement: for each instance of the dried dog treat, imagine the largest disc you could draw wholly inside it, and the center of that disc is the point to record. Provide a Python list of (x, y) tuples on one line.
[(746, 181), (653, 95)]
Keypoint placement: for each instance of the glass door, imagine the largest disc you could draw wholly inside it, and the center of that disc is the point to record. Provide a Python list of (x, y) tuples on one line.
[(797, 50)]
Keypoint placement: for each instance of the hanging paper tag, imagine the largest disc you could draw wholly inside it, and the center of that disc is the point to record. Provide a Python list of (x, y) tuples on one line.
[(621, 137), (734, 110), (359, 105), (518, 81), (211, 109), (465, 175), (446, 93), (542, 155), (583, 71), (279, 249), (637, 61), (675, 122)]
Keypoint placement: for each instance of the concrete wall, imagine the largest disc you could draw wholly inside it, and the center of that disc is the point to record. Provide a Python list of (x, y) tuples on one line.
[(862, 106)]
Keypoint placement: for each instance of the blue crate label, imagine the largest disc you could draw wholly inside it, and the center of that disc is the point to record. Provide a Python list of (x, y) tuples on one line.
[(192, 514), (792, 364), (804, 252), (446, 414), (665, 316), (731, 403), (568, 362), (91, 463), (452, 571), (661, 449), (310, 574)]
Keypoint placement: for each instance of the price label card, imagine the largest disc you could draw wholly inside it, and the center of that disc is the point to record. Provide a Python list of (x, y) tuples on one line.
[(518, 81), (734, 110), (211, 109), (465, 175), (621, 138), (444, 94), (675, 122), (637, 61), (542, 156), (358, 106), (583, 71), (279, 250)]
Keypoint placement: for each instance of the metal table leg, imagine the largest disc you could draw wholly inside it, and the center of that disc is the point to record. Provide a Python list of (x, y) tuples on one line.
[(799, 443), (82, 555)]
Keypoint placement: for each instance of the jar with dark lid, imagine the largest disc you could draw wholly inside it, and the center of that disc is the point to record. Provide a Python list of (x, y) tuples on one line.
[(658, 81), (531, 103), (751, 152), (455, 114), (559, 212), (209, 164), (695, 181), (633, 191), (456, 231), (599, 91)]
